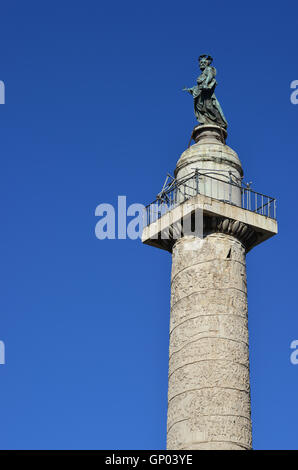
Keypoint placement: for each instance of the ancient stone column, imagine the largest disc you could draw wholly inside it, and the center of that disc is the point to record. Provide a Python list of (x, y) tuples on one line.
[(209, 396), (209, 389)]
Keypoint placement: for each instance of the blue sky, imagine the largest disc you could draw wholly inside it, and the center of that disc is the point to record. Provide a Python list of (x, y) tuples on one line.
[(94, 109)]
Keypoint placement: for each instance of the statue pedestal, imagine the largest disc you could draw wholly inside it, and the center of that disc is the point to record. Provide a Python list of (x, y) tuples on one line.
[(209, 132)]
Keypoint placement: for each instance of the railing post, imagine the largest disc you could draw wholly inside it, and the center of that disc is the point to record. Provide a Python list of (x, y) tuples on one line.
[(275, 208), (262, 205), (197, 180), (230, 186)]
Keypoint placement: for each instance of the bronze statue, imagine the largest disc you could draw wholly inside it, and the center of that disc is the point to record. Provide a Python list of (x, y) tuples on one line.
[(207, 108)]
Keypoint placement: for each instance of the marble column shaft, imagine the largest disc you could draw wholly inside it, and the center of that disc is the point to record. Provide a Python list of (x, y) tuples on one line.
[(209, 389)]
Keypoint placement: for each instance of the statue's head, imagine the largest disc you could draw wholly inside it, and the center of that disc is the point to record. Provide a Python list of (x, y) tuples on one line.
[(204, 61)]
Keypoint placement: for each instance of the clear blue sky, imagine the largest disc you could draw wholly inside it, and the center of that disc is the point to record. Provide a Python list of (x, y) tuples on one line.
[(94, 109)]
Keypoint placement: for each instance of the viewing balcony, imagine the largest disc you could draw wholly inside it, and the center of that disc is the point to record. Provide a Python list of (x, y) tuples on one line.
[(222, 188)]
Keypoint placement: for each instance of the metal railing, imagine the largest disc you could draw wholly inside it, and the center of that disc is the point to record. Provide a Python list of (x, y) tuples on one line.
[(222, 188)]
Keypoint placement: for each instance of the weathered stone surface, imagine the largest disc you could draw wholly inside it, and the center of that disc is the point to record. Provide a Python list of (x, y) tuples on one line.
[(212, 373), (208, 251), (230, 326), (208, 154), (220, 272), (226, 430), (223, 401), (209, 349), (216, 445), (209, 394), (209, 302)]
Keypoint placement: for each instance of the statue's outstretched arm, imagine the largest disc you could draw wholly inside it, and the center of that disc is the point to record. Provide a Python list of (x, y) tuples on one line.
[(190, 90)]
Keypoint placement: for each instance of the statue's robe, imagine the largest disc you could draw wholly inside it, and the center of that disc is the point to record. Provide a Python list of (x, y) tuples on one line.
[(207, 108)]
